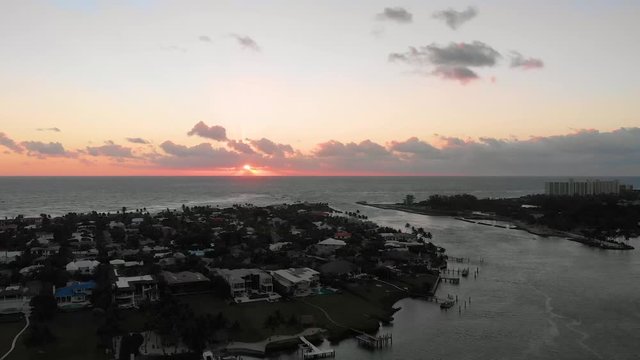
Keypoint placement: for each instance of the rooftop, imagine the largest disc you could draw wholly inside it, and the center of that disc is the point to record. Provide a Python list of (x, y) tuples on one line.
[(183, 277)]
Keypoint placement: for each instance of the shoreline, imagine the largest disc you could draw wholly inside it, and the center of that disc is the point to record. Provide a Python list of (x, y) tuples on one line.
[(538, 230)]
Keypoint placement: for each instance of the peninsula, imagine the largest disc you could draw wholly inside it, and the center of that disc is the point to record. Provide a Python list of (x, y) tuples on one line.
[(242, 279), (603, 221)]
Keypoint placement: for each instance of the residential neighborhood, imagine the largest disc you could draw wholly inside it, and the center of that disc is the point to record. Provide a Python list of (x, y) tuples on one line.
[(212, 267)]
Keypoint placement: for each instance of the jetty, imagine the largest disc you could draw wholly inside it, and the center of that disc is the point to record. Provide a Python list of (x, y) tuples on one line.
[(375, 342), (310, 351), (450, 280)]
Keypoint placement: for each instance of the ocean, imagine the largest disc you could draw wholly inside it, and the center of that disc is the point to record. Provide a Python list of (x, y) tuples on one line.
[(31, 196), (534, 298)]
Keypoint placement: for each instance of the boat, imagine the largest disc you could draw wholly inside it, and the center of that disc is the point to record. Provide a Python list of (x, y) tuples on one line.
[(447, 304), (465, 272)]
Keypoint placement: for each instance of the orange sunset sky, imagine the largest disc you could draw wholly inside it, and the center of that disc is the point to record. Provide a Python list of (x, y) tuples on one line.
[(329, 87)]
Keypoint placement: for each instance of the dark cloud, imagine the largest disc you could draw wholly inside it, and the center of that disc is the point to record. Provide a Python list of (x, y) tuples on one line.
[(450, 62), (204, 38), (137, 140), (457, 73), (198, 156), (53, 129), (364, 149), (472, 54), (246, 42), (111, 150), (9, 143), (271, 148), (526, 63), (214, 132), (455, 19), (413, 146), (396, 14), (240, 147), (475, 54), (42, 149)]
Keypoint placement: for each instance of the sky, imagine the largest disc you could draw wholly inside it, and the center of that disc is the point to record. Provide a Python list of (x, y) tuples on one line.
[(307, 87)]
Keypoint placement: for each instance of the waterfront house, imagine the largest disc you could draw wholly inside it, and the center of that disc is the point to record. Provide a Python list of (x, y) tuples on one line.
[(186, 282), (132, 290), (247, 283), (296, 282), (75, 295)]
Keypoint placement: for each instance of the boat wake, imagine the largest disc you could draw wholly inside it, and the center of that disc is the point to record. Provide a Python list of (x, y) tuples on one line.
[(570, 324)]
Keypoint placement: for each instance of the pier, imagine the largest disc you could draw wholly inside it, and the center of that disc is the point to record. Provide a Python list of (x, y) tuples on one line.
[(375, 342), (310, 351), (450, 280)]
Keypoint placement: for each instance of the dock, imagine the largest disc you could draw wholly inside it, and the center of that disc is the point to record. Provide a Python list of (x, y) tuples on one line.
[(375, 342), (310, 351), (450, 280)]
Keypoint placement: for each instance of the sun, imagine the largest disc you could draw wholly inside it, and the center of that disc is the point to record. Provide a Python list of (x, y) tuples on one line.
[(248, 167)]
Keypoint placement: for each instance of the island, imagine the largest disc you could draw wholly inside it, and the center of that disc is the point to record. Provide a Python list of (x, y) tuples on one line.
[(198, 280)]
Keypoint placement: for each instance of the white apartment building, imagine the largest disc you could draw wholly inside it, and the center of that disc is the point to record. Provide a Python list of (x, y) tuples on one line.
[(582, 187)]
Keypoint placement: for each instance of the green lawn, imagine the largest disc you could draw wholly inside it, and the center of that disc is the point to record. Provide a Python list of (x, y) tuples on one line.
[(75, 339), (360, 308)]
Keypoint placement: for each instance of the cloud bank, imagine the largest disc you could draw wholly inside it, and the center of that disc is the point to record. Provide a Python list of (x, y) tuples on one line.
[(584, 152)]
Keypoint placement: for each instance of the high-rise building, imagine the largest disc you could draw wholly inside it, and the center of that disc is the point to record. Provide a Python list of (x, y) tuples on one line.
[(582, 187)]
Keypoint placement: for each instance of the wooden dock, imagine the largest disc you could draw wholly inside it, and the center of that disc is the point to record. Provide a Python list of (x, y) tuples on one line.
[(310, 351), (375, 342), (450, 280)]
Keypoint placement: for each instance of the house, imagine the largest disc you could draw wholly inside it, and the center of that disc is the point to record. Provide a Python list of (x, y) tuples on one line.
[(116, 224), (342, 235), (249, 283), (133, 290), (75, 295), (45, 251), (329, 246), (186, 282), (278, 246), (398, 236), (7, 257), (15, 299), (296, 282), (84, 267), (136, 222)]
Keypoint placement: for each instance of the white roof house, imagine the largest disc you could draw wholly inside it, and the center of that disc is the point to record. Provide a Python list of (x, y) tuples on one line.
[(83, 266), (296, 282), (332, 242)]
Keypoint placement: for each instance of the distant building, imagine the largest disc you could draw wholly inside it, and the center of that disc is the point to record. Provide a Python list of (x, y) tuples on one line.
[(582, 187), (296, 282), (75, 295), (133, 290)]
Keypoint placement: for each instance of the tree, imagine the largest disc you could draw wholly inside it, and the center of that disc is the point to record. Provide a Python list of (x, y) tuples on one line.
[(43, 307)]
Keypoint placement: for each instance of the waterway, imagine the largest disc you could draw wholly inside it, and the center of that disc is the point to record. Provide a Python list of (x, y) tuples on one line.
[(534, 298)]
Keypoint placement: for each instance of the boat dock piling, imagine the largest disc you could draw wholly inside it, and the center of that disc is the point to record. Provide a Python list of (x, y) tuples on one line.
[(451, 280), (310, 351), (375, 342)]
